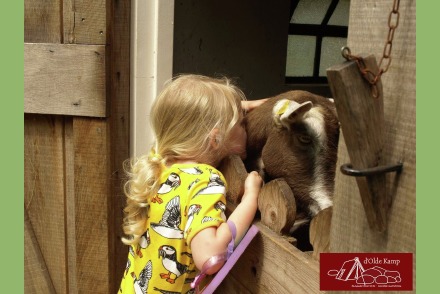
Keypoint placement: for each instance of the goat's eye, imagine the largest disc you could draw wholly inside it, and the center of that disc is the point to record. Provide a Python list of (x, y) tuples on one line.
[(305, 139)]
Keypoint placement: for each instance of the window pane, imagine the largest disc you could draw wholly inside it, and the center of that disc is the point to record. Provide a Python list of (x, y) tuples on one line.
[(331, 53), (340, 15), (300, 56), (310, 11)]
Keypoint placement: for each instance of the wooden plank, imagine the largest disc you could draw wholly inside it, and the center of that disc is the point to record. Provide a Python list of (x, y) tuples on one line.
[(92, 190), (64, 79), (234, 171), (320, 227), (42, 21), (36, 275), (44, 191), (272, 265), (357, 111), (119, 121), (85, 22), (69, 168), (350, 231)]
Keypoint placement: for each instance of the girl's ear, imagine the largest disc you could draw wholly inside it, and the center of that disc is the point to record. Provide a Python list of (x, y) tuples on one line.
[(214, 140)]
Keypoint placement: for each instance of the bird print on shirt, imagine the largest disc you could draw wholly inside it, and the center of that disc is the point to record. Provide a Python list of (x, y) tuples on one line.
[(192, 211), (172, 182), (209, 219), (168, 226), (169, 261), (192, 291), (222, 207), (127, 267), (141, 283), (215, 186), (143, 243), (192, 170)]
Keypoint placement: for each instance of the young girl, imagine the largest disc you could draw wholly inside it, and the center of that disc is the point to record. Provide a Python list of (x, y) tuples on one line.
[(175, 214)]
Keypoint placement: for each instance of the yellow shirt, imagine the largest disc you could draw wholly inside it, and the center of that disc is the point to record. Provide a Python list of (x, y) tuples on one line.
[(190, 198)]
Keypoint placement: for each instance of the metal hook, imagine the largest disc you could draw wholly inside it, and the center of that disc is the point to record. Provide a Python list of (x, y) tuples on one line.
[(347, 169), (346, 52)]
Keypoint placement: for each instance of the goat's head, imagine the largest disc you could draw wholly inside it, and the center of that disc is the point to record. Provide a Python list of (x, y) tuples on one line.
[(295, 136)]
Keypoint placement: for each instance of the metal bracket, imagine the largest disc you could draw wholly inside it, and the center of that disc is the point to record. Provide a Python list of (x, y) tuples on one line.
[(348, 170)]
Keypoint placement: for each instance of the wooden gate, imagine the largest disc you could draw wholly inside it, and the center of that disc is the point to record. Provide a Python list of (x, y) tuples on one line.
[(76, 137)]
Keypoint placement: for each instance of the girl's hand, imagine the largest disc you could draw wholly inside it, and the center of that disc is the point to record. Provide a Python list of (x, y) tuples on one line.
[(252, 185), (249, 105)]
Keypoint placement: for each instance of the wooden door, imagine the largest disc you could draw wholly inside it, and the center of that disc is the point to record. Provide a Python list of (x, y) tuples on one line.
[(76, 137)]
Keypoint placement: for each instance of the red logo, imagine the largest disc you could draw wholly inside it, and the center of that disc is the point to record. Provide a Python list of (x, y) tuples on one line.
[(366, 271)]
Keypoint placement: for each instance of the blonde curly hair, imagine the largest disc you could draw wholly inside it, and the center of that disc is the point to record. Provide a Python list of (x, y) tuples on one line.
[(183, 118)]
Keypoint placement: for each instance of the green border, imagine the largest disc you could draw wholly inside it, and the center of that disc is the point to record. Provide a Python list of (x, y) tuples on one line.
[(11, 216), (428, 203), (11, 75)]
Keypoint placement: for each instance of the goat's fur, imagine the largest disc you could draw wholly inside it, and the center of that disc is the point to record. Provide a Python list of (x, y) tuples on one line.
[(296, 141)]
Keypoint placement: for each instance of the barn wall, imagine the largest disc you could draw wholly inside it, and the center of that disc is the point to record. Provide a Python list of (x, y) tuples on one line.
[(76, 136), (246, 40), (350, 232)]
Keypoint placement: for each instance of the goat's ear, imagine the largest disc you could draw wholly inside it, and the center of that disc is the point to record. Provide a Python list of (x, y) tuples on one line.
[(285, 112)]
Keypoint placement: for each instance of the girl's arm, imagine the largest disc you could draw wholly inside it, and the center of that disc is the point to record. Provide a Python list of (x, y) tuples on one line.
[(213, 241)]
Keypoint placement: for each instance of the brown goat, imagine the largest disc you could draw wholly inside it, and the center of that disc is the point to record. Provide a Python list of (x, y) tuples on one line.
[(295, 136)]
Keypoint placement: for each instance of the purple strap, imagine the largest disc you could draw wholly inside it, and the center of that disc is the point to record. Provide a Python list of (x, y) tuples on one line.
[(231, 244), (238, 251), (216, 259)]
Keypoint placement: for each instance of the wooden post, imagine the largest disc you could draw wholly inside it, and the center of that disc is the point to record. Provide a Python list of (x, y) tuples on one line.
[(276, 203), (362, 122), (235, 174), (320, 232)]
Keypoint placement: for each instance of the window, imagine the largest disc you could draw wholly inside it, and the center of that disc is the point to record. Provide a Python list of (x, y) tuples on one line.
[(317, 32)]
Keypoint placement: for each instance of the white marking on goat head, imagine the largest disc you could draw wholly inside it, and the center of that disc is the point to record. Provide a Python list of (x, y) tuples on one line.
[(286, 112)]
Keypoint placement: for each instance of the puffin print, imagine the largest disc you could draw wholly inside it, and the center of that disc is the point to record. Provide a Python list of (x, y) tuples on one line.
[(131, 250), (143, 243), (222, 207), (193, 210), (168, 226), (169, 261), (192, 183), (215, 186), (192, 291), (209, 219), (187, 254), (192, 170), (127, 267), (173, 181), (141, 283)]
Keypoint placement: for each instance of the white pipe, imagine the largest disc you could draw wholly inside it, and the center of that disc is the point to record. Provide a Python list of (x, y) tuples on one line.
[(151, 61)]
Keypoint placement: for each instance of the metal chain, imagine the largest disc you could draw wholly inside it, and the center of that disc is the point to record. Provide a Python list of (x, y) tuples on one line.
[(385, 61)]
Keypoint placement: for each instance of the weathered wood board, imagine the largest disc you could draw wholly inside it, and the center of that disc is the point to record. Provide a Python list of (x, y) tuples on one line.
[(77, 60), (368, 29), (42, 21), (270, 264), (91, 190), (65, 79), (44, 192), (35, 268), (85, 22)]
